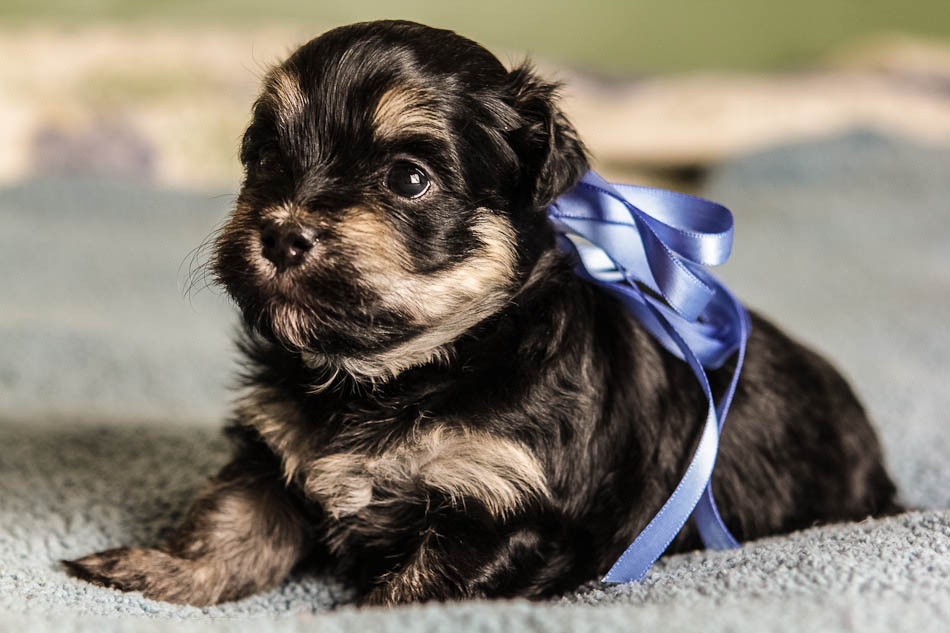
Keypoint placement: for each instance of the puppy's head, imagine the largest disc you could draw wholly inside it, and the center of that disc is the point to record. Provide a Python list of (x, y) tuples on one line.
[(396, 184)]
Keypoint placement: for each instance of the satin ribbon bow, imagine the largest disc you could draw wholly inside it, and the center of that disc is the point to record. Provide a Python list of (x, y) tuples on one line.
[(633, 238)]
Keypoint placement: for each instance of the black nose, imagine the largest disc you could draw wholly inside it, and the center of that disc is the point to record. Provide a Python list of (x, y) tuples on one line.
[(286, 244)]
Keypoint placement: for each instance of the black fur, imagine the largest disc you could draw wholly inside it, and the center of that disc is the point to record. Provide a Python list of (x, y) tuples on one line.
[(556, 368)]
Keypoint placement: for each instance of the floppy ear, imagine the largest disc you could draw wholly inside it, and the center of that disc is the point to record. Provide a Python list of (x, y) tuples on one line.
[(553, 159)]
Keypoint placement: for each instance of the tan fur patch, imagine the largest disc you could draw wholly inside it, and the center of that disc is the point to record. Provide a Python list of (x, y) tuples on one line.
[(290, 322), (379, 247), (446, 303), (279, 424), (283, 213), (284, 92), (498, 472), (411, 582), (406, 109)]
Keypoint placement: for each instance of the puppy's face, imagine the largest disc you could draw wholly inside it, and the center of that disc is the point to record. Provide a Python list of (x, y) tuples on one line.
[(396, 181)]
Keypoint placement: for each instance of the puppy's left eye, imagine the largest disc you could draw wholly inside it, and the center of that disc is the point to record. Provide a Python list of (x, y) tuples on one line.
[(407, 180)]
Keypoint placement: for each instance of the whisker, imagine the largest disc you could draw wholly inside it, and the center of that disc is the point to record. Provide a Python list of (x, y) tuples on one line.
[(197, 263)]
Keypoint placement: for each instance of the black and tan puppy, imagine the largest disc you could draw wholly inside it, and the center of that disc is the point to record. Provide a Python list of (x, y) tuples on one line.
[(437, 407)]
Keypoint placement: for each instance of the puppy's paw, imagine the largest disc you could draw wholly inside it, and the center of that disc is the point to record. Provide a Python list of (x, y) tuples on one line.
[(112, 568), (397, 591), (158, 575)]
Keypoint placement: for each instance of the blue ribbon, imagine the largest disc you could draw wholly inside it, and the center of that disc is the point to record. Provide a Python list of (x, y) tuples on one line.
[(628, 239)]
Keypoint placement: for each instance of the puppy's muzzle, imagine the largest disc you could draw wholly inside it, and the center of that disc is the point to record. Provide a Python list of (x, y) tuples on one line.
[(286, 245)]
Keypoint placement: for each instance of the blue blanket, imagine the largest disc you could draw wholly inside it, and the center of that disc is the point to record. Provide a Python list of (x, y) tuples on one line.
[(113, 382)]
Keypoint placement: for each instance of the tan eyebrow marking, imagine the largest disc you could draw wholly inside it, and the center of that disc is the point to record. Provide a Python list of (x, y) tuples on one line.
[(284, 92), (404, 108)]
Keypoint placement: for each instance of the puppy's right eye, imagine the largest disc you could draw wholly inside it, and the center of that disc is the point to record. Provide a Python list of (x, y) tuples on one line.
[(268, 159)]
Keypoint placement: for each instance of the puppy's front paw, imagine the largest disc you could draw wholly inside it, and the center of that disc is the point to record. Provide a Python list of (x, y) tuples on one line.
[(158, 575), (383, 596)]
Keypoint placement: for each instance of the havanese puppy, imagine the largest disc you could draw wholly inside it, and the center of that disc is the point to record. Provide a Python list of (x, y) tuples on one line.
[(437, 406)]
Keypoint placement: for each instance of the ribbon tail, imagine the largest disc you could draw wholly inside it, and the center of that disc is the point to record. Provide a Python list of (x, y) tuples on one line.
[(663, 528), (712, 529), (659, 241)]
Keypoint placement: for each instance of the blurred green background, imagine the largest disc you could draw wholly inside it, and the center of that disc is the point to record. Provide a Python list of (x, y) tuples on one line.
[(616, 36)]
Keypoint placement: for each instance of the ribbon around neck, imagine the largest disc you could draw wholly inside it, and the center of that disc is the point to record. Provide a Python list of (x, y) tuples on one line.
[(648, 247)]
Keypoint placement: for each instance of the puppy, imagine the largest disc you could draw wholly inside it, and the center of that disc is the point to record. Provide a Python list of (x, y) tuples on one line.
[(437, 406)]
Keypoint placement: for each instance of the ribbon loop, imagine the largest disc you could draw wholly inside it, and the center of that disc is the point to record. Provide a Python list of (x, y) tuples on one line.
[(627, 239), (662, 229)]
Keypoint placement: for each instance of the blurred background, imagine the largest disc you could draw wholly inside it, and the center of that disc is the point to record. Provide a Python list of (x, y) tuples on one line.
[(824, 125), (159, 91)]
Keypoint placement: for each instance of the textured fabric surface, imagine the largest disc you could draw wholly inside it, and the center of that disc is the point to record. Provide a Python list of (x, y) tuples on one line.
[(113, 385)]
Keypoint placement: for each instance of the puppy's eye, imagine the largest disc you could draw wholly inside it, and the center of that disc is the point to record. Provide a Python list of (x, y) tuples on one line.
[(269, 159), (407, 180)]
